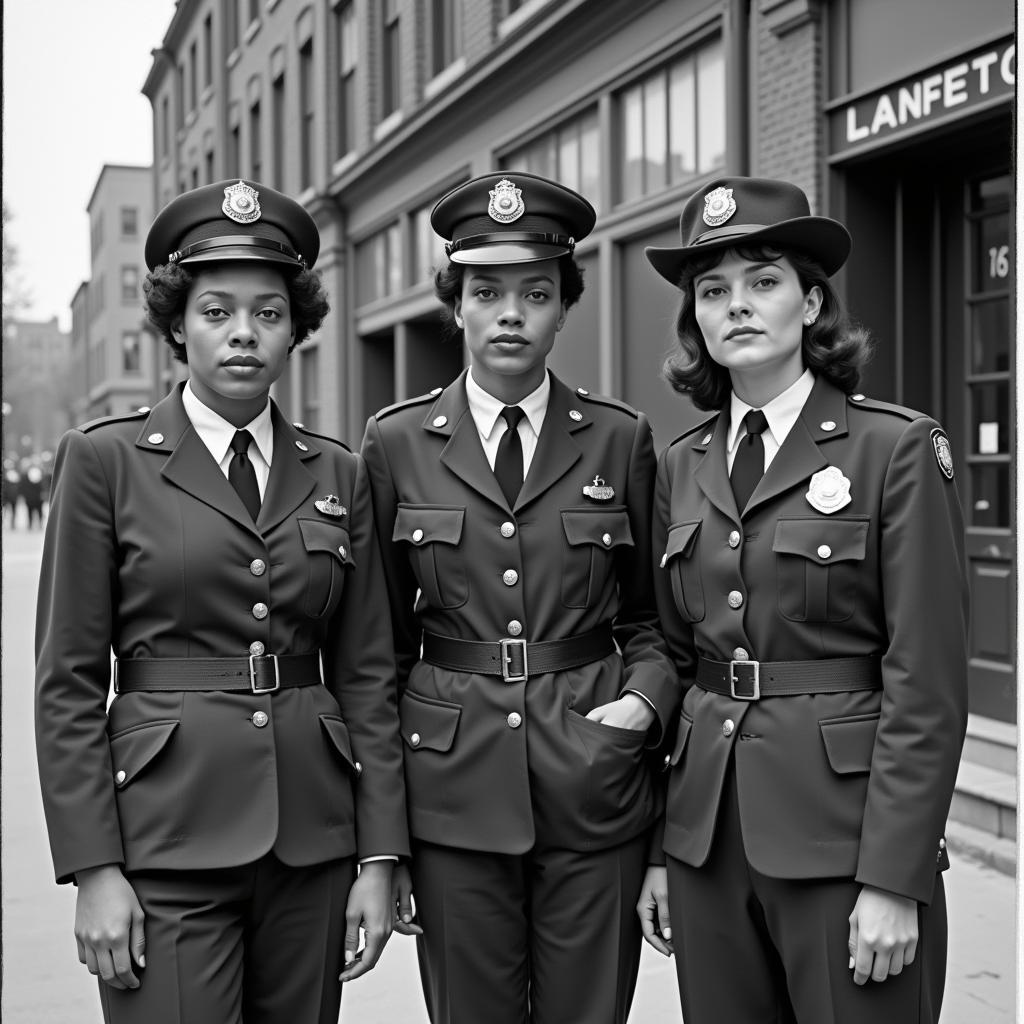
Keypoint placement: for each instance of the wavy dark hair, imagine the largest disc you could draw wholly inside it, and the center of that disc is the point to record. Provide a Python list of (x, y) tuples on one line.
[(166, 289), (833, 346), (448, 288)]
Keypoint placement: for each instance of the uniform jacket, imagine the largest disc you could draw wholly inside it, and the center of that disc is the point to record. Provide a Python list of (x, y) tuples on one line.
[(850, 784), (150, 552), (477, 778)]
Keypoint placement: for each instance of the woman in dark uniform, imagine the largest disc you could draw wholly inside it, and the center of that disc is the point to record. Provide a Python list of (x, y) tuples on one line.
[(212, 817), (813, 595), (515, 519)]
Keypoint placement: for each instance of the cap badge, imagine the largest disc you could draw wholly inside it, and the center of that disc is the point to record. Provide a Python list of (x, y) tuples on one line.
[(719, 206), (598, 490), (241, 203), (330, 506), (506, 203), (829, 490), (943, 452)]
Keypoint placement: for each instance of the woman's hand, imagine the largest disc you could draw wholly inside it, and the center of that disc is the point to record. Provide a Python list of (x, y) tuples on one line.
[(109, 926), (402, 901), (883, 934), (369, 908), (652, 909), (630, 711)]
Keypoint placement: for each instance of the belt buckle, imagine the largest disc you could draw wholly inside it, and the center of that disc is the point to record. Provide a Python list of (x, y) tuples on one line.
[(506, 660), (252, 674), (754, 679)]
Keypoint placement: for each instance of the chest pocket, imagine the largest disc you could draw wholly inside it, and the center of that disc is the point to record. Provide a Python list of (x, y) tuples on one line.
[(434, 535), (592, 536), (818, 563), (329, 556), (683, 566)]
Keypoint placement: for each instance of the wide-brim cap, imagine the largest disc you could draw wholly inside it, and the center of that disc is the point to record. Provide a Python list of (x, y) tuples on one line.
[(511, 217), (233, 220), (731, 212)]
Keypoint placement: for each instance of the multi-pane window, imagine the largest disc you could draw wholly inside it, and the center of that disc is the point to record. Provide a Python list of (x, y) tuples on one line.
[(131, 353), (570, 153), (348, 56), (309, 382), (255, 148), (277, 98), (428, 249), (129, 284), (672, 124), (129, 221), (379, 265), (446, 43), (390, 60), (307, 106)]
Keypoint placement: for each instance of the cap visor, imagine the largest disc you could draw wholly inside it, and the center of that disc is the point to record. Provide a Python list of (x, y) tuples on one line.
[(511, 252), (240, 253)]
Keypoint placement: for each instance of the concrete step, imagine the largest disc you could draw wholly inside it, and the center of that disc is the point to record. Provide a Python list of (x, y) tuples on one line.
[(986, 799), (981, 847), (991, 744)]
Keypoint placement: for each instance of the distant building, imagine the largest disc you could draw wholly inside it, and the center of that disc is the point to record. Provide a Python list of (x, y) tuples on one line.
[(37, 402), (115, 360), (894, 115)]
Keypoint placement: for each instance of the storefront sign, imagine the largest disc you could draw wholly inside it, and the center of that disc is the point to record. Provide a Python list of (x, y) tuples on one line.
[(972, 80)]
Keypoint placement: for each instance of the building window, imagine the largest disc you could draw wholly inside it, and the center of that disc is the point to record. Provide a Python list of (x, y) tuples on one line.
[(208, 51), (428, 249), (234, 154), (390, 61), (309, 382), (131, 352), (570, 153), (307, 107), (209, 166), (181, 96), (446, 34), (254, 11), (97, 235), (165, 126), (277, 98), (129, 221), (129, 284), (255, 159), (379, 265), (231, 27), (348, 57), (193, 70)]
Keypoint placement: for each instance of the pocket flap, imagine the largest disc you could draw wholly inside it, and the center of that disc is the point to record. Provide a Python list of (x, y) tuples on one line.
[(133, 749), (682, 735), (337, 733), (602, 527), (681, 538), (822, 540), (429, 524), (320, 535), (428, 723), (849, 742)]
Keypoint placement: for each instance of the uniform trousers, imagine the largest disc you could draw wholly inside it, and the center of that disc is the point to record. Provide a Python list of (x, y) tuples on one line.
[(547, 937), (262, 943), (767, 950)]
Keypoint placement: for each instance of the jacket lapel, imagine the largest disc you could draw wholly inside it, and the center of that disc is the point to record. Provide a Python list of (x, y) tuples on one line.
[(712, 474), (290, 482)]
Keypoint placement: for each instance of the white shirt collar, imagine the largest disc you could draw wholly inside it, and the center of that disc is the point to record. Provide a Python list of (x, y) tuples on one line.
[(781, 412), (216, 433), (486, 409)]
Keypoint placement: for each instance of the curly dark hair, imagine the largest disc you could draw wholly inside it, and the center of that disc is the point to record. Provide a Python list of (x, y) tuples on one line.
[(448, 288), (833, 346), (166, 289)]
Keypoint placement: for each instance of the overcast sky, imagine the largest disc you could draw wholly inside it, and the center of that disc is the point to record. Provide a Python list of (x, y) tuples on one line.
[(73, 71)]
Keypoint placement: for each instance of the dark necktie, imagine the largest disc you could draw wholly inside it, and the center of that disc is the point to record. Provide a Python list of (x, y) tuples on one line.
[(748, 466), (508, 463), (241, 474)]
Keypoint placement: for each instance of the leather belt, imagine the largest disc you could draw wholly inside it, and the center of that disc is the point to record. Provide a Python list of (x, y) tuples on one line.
[(263, 674), (752, 680), (516, 660)]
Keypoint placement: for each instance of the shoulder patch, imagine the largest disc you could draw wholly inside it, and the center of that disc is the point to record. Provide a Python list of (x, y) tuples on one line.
[(408, 403), (943, 452), (128, 417), (320, 437), (707, 426), (612, 403), (859, 401)]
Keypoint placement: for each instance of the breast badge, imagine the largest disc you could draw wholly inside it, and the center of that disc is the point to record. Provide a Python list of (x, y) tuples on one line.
[(598, 490), (829, 490), (943, 452), (330, 506)]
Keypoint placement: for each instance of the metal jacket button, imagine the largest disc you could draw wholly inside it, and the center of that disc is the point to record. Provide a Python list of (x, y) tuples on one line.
[(824, 551), (257, 649), (510, 577), (508, 529), (735, 599), (515, 627), (259, 610), (514, 720), (739, 654), (257, 567), (727, 727), (120, 778), (260, 719), (417, 536), (414, 739), (734, 539)]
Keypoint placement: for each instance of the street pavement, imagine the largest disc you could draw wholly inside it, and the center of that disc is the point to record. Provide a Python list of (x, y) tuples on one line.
[(43, 983)]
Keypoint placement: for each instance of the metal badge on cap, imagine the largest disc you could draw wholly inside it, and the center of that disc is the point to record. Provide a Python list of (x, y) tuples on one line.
[(506, 203), (719, 206), (241, 203)]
